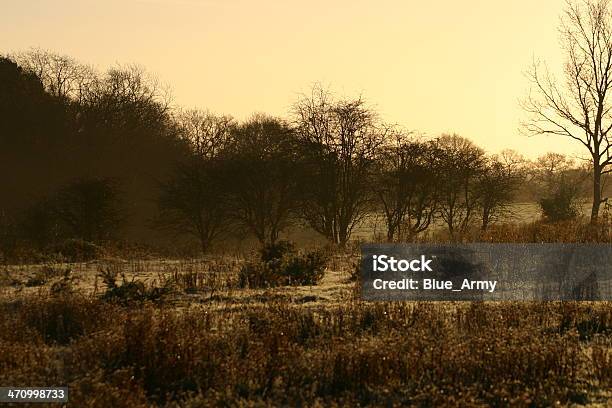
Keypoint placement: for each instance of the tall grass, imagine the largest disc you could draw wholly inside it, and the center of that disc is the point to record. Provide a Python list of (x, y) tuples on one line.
[(145, 352), (282, 354)]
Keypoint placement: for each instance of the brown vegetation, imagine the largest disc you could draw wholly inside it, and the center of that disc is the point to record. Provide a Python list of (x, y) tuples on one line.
[(191, 336), (282, 353)]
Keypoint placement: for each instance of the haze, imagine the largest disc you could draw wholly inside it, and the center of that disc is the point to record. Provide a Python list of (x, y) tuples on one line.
[(434, 67)]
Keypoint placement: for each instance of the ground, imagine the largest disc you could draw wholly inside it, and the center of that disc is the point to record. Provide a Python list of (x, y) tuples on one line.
[(207, 341)]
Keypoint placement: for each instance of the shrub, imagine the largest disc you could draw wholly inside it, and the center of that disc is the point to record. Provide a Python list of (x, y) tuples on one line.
[(276, 251), (128, 291), (280, 264), (306, 269), (257, 275), (561, 205)]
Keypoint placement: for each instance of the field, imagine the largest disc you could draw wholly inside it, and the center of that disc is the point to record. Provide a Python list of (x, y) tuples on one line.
[(516, 212), (183, 333)]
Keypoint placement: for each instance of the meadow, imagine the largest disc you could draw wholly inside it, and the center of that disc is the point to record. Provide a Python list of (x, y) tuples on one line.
[(187, 333)]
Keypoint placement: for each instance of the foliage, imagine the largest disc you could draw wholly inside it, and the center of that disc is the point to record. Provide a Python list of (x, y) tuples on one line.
[(276, 251)]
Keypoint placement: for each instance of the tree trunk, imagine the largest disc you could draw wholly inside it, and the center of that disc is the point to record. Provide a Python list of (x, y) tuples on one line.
[(485, 219), (343, 238), (596, 193), (390, 233), (392, 227), (203, 244)]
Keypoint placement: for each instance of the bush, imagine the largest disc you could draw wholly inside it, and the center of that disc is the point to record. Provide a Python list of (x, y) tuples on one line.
[(280, 264), (257, 275), (561, 205), (306, 269), (128, 291), (276, 251)]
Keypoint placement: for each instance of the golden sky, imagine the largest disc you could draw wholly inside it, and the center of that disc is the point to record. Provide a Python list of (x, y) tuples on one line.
[(432, 66)]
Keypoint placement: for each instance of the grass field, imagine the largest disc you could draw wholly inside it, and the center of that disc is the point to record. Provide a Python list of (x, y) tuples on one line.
[(183, 333)]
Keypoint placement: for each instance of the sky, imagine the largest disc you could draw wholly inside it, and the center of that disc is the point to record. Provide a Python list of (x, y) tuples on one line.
[(434, 67)]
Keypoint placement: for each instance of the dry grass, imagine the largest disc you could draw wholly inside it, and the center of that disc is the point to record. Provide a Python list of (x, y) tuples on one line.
[(285, 354), (208, 342)]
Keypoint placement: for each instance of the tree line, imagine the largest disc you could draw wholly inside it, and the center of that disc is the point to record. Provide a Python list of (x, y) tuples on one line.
[(99, 156)]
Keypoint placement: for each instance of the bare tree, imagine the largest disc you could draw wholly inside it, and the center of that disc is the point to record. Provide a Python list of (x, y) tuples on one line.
[(61, 75), (206, 133), (579, 107), (194, 199), (340, 139), (406, 185), (550, 168), (460, 162), (128, 109), (190, 203), (496, 184), (261, 174)]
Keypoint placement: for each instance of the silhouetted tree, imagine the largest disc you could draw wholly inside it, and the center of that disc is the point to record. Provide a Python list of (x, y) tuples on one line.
[(129, 134), (406, 185), (61, 121), (195, 198), (207, 134), (61, 75), (262, 167), (549, 169), (496, 186), (578, 107), (460, 163), (339, 139), (32, 129), (193, 202)]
